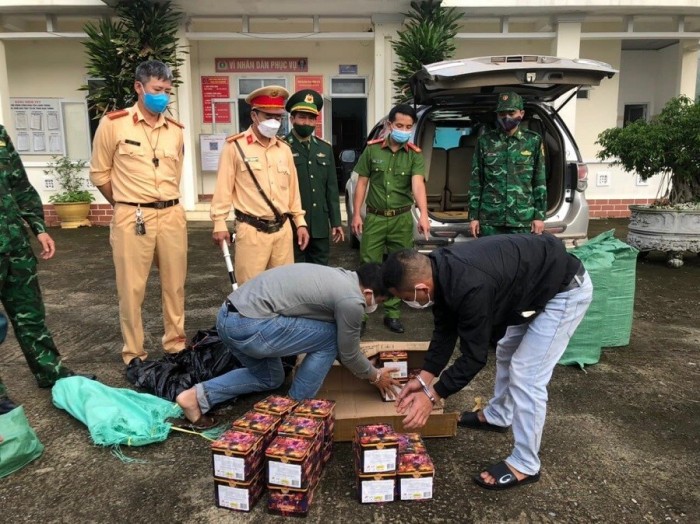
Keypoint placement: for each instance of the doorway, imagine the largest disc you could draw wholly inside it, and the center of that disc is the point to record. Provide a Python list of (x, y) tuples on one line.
[(349, 125)]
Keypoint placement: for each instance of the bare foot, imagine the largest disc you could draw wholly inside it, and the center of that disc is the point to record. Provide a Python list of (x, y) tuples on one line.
[(187, 400), (488, 479)]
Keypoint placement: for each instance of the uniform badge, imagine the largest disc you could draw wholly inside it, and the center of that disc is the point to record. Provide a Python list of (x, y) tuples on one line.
[(251, 159), (504, 97), (321, 155), (309, 99), (526, 153)]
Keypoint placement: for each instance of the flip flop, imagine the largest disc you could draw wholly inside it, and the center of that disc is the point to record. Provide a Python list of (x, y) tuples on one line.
[(470, 419), (505, 478), (202, 423)]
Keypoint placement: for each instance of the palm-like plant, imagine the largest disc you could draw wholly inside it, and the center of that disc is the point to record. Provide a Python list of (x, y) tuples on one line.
[(144, 31), (427, 38)]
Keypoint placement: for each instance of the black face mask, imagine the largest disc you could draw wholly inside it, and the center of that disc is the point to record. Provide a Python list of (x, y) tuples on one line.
[(303, 130), (509, 123)]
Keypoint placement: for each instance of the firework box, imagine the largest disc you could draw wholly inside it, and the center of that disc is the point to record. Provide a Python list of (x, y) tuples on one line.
[(275, 405), (237, 455), (415, 476), (393, 395), (324, 410), (376, 488), (261, 424), (239, 496), (397, 361), (375, 448), (290, 502), (291, 462), (411, 443), (357, 401)]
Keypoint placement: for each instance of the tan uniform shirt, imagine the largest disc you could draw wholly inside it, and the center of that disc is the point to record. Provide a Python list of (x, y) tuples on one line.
[(123, 152), (274, 169)]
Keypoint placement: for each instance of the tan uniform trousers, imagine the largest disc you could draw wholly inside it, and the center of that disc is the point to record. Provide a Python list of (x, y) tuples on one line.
[(165, 242), (257, 251)]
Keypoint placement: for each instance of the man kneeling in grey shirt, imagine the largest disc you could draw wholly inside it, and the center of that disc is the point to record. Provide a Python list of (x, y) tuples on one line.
[(288, 310)]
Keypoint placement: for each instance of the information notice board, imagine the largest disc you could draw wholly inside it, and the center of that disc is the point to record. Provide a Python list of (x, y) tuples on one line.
[(38, 126)]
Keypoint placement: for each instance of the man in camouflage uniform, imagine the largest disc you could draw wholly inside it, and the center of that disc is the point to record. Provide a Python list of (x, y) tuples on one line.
[(508, 189), (318, 186), (19, 289)]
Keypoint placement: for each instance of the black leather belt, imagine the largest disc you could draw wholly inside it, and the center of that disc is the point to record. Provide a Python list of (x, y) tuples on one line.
[(231, 308), (576, 281), (388, 212), (265, 226), (155, 205)]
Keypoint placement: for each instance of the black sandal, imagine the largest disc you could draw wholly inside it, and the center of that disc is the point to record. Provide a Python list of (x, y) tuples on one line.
[(470, 419), (204, 422), (505, 478)]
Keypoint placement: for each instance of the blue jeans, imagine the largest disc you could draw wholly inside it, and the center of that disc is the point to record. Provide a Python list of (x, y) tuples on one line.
[(259, 343), (525, 360)]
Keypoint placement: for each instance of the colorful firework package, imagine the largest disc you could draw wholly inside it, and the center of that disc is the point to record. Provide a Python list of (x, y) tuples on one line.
[(259, 423), (275, 405), (324, 410)]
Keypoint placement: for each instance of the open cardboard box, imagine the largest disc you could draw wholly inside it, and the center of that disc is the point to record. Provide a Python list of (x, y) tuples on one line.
[(359, 402)]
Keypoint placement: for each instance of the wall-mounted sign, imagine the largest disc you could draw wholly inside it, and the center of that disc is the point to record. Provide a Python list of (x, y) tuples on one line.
[(210, 151), (316, 83), (39, 126), (261, 65), (216, 87), (347, 69)]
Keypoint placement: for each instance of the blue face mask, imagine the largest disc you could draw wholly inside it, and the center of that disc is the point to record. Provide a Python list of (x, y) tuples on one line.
[(400, 137), (156, 103)]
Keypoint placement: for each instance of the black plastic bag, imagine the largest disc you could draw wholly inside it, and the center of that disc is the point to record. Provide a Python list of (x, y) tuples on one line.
[(204, 358)]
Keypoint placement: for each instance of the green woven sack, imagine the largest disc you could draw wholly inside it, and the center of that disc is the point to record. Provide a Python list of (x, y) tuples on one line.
[(115, 416), (20, 444), (585, 346)]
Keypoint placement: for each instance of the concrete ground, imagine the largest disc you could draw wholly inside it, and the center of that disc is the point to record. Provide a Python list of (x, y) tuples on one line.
[(621, 443)]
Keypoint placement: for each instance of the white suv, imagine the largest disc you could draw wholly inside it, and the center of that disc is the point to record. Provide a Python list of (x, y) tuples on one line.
[(455, 102)]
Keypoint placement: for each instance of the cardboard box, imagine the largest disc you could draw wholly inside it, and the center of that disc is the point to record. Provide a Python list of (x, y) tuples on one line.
[(357, 401), (290, 502), (239, 496), (415, 476), (373, 489), (395, 360), (237, 455), (391, 397), (376, 448), (291, 463)]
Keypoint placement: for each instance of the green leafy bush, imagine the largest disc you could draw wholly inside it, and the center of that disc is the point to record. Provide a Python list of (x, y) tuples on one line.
[(69, 177)]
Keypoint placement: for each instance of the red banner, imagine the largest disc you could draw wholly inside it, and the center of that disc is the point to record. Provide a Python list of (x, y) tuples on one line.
[(316, 83), (261, 65), (216, 87)]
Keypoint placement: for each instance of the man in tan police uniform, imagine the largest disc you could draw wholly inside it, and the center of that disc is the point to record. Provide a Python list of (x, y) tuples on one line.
[(263, 230), (137, 164)]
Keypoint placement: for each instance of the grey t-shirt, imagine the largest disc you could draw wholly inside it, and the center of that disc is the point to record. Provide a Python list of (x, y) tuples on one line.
[(311, 291)]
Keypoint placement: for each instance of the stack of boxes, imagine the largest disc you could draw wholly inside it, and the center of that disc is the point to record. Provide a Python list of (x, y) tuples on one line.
[(397, 361), (295, 438), (390, 465)]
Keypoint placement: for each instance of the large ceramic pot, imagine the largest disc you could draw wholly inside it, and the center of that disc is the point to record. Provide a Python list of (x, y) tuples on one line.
[(673, 232), (73, 214)]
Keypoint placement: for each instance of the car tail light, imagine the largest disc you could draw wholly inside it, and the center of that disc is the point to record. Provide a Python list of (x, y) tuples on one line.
[(582, 182)]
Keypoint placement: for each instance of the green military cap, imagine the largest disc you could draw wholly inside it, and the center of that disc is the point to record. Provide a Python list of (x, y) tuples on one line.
[(509, 102), (306, 100)]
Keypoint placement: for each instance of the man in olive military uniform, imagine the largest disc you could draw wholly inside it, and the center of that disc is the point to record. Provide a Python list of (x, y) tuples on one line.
[(318, 187), (19, 289), (508, 189), (394, 169)]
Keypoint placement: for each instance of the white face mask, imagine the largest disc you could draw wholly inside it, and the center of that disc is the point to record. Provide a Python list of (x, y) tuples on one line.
[(372, 304), (269, 128), (415, 304)]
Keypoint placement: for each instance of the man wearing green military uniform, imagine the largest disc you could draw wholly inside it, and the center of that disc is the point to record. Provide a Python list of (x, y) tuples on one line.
[(318, 187), (394, 169), (19, 289), (508, 189)]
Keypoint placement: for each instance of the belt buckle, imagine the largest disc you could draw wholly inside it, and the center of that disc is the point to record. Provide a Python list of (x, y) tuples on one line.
[(159, 205), (390, 212)]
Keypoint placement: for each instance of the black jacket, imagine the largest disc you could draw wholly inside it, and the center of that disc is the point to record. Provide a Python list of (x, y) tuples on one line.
[(485, 283)]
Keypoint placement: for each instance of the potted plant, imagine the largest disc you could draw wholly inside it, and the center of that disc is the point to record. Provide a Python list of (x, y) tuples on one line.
[(72, 204), (668, 145)]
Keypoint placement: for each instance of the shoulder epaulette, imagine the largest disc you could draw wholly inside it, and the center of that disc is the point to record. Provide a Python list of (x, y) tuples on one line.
[(414, 147), (324, 141), (283, 141), (234, 137), (117, 114), (172, 121), (375, 141)]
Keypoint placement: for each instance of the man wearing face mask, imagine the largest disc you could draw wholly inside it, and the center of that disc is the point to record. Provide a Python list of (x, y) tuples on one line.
[(286, 311), (136, 164), (257, 176), (318, 186), (508, 188), (394, 170), (526, 282)]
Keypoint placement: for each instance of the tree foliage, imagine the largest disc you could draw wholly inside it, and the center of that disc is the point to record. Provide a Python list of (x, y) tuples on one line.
[(669, 144), (143, 31), (427, 38), (69, 177)]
